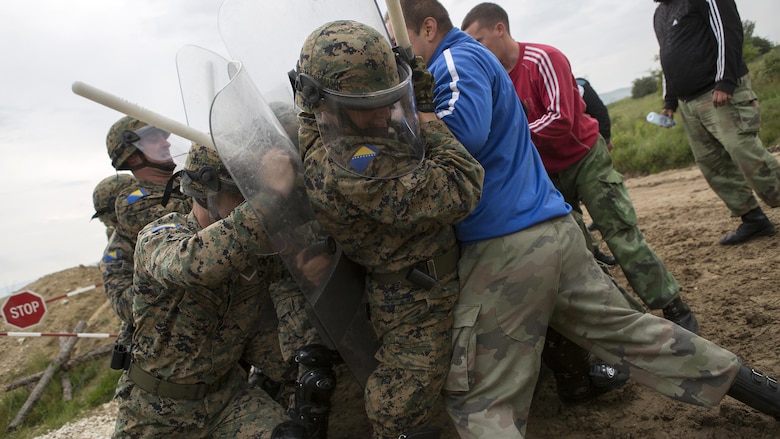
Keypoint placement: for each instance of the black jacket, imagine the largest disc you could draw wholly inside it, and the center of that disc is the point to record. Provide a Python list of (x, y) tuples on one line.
[(701, 47), (595, 108)]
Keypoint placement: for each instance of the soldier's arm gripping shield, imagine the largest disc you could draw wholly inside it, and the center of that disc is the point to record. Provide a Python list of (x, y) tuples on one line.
[(265, 165)]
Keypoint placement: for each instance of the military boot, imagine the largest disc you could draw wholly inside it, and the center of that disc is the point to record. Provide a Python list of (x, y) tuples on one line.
[(678, 312), (605, 258), (757, 390), (605, 378), (754, 224)]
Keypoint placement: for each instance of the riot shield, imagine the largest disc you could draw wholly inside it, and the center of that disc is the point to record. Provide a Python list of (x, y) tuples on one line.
[(267, 36), (202, 73), (265, 164)]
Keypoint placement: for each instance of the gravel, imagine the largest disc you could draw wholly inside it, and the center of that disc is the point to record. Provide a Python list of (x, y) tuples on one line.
[(98, 424)]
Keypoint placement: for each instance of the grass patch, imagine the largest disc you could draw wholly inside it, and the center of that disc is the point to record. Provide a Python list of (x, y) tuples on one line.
[(642, 148), (93, 384)]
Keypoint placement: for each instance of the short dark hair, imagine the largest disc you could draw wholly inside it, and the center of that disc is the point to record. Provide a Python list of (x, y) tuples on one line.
[(487, 15), (416, 11)]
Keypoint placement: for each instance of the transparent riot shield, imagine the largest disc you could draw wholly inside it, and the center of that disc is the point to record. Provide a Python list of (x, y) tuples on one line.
[(267, 36), (202, 73), (265, 164)]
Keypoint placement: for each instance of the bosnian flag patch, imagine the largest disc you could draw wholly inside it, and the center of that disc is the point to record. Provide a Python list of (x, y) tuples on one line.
[(136, 195), (363, 157), (111, 256)]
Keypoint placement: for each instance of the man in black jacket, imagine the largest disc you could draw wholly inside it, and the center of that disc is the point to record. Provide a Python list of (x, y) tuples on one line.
[(707, 80)]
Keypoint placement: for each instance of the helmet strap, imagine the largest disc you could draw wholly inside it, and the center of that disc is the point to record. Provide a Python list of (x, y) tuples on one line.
[(169, 188)]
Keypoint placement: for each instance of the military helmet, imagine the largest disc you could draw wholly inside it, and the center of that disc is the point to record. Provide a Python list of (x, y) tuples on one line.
[(124, 138), (204, 173), (104, 196), (118, 149), (349, 63)]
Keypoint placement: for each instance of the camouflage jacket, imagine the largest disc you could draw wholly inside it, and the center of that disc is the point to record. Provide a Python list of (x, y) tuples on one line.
[(388, 225), (135, 207), (198, 295)]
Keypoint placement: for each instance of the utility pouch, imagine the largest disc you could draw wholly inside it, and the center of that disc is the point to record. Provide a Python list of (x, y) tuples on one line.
[(120, 357), (421, 279)]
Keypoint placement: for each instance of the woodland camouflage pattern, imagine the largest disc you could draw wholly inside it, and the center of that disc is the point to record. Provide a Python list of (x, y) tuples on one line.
[(119, 151), (737, 130), (359, 64), (594, 182), (204, 156), (104, 197), (198, 296), (135, 207), (509, 298), (389, 226)]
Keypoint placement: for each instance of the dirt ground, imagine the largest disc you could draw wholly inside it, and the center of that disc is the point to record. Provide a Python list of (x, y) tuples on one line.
[(732, 290)]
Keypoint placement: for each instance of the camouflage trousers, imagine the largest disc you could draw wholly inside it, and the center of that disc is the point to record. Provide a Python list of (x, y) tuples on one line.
[(595, 183), (728, 151), (236, 411), (414, 356), (513, 287)]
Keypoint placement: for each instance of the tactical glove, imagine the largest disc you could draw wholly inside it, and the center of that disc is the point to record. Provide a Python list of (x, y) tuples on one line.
[(423, 84)]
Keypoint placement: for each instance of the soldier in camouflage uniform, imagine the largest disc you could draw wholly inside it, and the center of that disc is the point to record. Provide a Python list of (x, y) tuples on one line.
[(201, 285), (576, 157), (144, 150), (389, 195), (103, 198), (525, 266)]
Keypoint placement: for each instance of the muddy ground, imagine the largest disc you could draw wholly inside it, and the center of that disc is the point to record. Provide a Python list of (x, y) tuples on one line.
[(734, 291)]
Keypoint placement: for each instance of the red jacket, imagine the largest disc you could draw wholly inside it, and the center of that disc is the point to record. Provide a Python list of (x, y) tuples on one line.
[(560, 129)]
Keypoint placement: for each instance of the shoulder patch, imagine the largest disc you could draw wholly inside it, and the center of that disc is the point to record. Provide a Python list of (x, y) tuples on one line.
[(111, 256), (165, 226), (136, 195), (363, 157)]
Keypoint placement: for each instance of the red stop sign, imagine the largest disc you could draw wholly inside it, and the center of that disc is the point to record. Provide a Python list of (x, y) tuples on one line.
[(24, 309)]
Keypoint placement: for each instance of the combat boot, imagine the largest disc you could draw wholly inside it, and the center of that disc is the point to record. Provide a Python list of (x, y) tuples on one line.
[(754, 224), (757, 390), (678, 312), (605, 378), (605, 258), (602, 379)]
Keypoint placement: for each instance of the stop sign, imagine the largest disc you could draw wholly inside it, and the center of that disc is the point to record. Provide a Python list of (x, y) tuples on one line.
[(24, 309)]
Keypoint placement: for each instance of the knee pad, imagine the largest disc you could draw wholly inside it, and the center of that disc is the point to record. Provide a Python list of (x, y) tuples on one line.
[(289, 430), (314, 388)]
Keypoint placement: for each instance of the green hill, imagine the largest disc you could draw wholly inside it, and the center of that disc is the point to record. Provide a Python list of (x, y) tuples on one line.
[(642, 148)]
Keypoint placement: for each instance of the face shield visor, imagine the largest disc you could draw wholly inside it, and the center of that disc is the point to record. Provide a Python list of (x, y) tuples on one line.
[(157, 146), (374, 135)]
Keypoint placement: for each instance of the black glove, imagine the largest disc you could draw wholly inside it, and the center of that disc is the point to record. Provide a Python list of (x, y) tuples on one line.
[(423, 84)]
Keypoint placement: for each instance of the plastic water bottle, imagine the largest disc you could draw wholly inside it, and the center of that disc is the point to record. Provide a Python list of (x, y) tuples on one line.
[(660, 120)]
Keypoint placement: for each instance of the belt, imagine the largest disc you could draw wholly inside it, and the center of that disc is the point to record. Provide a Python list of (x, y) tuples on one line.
[(434, 269), (158, 387)]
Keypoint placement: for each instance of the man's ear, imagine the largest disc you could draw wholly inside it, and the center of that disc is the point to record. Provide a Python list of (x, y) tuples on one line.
[(429, 29)]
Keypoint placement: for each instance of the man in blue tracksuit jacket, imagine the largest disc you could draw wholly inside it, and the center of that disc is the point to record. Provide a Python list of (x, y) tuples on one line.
[(524, 264)]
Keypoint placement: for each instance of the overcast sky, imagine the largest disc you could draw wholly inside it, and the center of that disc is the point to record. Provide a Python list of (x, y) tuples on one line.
[(53, 142)]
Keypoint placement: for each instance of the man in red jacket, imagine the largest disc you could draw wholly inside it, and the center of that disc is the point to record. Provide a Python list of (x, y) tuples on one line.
[(576, 158)]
